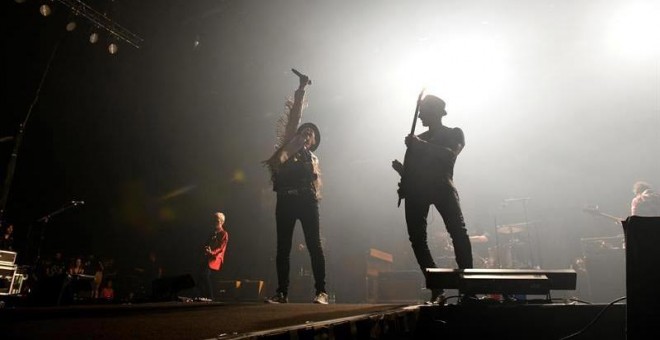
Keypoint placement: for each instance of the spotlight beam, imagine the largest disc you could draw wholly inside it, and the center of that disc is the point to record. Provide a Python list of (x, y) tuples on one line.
[(80, 8)]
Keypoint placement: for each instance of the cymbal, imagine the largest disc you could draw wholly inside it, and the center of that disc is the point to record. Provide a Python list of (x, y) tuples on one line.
[(511, 228), (478, 239)]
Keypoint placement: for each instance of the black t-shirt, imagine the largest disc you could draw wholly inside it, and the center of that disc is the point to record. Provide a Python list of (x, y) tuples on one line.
[(429, 169), (296, 173)]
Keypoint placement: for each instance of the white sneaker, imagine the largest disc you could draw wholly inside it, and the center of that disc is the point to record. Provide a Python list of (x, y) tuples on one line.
[(321, 298)]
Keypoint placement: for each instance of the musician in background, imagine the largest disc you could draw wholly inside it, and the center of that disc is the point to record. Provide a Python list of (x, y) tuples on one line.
[(7, 240), (427, 179), (150, 270), (296, 178), (79, 285), (77, 267), (94, 267), (56, 266), (646, 201), (214, 256)]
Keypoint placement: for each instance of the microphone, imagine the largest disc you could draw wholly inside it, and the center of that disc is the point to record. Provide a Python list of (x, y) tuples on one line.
[(77, 202), (309, 81)]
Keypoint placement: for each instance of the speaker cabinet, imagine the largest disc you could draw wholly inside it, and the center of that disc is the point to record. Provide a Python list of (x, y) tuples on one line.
[(7, 274), (400, 286), (642, 277), (606, 270), (226, 290)]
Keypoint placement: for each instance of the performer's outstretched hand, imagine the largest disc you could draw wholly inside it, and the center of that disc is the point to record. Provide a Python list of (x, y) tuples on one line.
[(397, 166)]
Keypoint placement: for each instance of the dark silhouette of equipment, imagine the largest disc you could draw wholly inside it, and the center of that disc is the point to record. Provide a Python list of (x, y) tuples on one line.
[(168, 288), (642, 277)]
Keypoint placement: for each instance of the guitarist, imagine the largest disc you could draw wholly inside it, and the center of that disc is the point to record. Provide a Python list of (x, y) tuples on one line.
[(646, 201), (427, 179), (214, 253)]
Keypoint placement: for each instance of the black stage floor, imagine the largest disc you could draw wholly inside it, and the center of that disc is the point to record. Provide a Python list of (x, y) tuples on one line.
[(213, 320)]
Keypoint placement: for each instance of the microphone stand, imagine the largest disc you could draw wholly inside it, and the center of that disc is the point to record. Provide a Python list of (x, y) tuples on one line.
[(11, 166), (532, 264), (45, 219)]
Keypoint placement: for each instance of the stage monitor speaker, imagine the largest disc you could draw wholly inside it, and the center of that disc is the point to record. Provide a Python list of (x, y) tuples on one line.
[(642, 277), (167, 288), (504, 284), (252, 290), (531, 279)]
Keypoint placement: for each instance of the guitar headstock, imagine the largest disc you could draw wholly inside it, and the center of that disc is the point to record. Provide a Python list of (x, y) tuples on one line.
[(592, 209)]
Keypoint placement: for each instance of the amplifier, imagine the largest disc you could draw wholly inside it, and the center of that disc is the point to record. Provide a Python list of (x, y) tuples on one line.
[(250, 290), (7, 257), (400, 287), (7, 274)]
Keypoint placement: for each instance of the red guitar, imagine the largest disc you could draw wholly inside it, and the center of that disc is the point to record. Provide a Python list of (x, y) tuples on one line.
[(216, 256)]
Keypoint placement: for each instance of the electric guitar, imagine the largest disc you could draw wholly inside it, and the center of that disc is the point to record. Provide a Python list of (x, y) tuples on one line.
[(396, 164), (214, 257)]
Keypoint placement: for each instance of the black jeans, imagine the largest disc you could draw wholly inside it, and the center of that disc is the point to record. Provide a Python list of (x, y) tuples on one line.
[(448, 205), (205, 279), (289, 209)]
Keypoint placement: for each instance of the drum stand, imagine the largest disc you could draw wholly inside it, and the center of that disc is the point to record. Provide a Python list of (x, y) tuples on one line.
[(508, 254)]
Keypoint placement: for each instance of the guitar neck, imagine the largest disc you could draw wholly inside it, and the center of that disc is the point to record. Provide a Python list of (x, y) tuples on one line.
[(597, 212), (617, 219), (611, 217)]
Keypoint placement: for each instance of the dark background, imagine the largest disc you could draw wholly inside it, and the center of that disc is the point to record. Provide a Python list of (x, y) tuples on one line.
[(559, 102)]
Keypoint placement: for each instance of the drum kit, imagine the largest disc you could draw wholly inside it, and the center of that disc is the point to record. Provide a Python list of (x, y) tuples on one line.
[(512, 228), (510, 251), (507, 250)]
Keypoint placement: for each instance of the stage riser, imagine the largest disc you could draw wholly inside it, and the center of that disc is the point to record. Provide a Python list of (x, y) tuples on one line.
[(521, 321)]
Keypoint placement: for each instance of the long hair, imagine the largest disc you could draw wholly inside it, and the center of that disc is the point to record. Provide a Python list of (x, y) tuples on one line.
[(317, 183), (640, 186)]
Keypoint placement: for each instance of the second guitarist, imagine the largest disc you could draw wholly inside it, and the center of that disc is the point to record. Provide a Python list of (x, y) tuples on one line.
[(427, 179), (214, 255)]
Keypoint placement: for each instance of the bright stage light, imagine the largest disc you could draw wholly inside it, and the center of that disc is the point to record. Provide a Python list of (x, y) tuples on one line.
[(461, 68), (45, 10), (635, 28), (71, 26), (113, 48), (94, 38)]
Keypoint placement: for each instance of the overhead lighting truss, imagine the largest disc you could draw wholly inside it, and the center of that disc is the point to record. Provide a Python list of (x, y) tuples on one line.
[(80, 8)]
